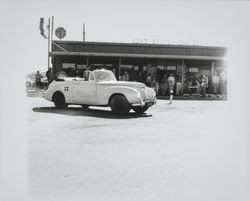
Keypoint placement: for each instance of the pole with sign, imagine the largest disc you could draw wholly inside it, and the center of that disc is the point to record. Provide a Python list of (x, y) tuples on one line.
[(41, 27), (48, 40)]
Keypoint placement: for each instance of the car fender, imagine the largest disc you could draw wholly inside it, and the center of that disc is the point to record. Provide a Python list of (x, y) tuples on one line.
[(65, 88), (105, 93)]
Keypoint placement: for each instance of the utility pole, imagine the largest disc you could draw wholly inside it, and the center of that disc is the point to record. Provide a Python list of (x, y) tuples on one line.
[(83, 32), (48, 26), (52, 28), (51, 38)]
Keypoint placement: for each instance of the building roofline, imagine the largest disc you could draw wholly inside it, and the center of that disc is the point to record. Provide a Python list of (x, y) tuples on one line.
[(59, 53), (139, 44)]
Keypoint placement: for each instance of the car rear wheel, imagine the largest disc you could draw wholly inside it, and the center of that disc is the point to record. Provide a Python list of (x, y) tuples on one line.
[(139, 109), (59, 100), (120, 105), (84, 106)]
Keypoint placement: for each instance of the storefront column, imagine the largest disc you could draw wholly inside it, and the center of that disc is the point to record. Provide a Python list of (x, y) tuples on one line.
[(87, 61), (182, 77), (210, 88), (212, 70)]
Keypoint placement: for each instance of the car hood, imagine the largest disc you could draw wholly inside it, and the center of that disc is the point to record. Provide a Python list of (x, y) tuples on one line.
[(123, 83)]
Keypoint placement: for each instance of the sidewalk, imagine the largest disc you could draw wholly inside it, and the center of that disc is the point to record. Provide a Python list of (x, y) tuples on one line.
[(34, 92), (196, 97)]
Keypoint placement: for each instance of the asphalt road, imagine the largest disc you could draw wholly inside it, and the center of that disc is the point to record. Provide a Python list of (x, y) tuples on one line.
[(184, 151)]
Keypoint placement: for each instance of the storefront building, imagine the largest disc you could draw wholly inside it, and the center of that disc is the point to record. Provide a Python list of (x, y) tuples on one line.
[(140, 60)]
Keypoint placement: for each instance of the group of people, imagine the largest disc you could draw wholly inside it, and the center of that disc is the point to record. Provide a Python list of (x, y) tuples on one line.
[(216, 85), (165, 85), (198, 86), (50, 75), (69, 72)]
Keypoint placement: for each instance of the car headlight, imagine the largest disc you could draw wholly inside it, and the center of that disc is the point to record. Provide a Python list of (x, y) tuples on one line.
[(138, 96)]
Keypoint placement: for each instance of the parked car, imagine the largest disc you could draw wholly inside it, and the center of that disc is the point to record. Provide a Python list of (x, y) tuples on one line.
[(101, 89)]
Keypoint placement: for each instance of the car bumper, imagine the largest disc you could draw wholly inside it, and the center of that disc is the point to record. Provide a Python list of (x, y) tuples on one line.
[(147, 103), (47, 95)]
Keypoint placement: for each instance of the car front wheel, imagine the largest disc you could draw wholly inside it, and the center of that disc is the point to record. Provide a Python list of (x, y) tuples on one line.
[(120, 105), (139, 109), (59, 100)]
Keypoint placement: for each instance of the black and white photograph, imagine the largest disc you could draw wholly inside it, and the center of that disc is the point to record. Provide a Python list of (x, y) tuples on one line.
[(124, 100)]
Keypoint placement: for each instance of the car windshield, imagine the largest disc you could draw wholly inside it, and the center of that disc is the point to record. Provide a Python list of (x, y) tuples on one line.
[(104, 76)]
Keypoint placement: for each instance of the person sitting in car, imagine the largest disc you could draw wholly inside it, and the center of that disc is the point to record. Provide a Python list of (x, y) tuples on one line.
[(61, 74)]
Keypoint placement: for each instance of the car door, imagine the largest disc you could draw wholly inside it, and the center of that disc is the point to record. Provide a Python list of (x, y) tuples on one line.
[(84, 92)]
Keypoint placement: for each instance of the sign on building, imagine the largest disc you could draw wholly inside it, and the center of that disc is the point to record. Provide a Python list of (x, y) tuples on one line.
[(193, 70), (68, 65), (81, 66), (127, 66), (161, 67), (171, 67), (60, 32)]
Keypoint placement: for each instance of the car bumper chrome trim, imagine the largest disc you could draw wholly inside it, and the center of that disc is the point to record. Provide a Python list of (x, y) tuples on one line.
[(149, 103)]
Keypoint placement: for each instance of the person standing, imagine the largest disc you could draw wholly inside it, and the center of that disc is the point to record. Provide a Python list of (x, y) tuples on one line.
[(223, 82), (72, 72), (155, 83), (86, 74), (164, 85), (171, 82), (204, 85), (50, 75), (38, 79), (149, 80), (178, 84), (125, 76), (215, 83), (143, 76), (114, 71)]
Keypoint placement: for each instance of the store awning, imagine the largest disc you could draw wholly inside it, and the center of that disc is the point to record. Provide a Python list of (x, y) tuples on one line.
[(123, 55)]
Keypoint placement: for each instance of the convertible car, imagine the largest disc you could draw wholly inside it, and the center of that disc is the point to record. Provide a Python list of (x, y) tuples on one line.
[(101, 89)]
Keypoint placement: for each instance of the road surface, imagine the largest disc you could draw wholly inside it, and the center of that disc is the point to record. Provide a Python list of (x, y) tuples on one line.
[(189, 150)]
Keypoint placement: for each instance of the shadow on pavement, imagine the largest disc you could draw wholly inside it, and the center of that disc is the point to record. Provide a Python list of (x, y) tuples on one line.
[(88, 112)]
